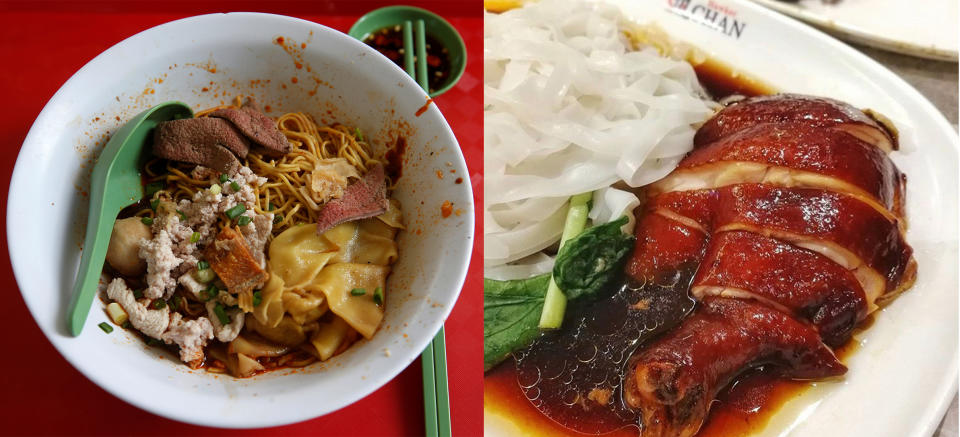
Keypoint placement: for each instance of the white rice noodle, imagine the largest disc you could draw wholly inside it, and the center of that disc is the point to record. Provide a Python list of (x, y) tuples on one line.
[(571, 107), (610, 204)]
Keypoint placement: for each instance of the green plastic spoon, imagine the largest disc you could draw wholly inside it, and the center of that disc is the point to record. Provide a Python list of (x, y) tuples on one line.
[(114, 185)]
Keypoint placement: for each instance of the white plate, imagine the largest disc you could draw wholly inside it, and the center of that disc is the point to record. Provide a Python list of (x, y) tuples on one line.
[(904, 373), (927, 29), (202, 61)]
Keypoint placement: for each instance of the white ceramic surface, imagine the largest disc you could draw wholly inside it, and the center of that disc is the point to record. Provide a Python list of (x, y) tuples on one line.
[(202, 61), (904, 373), (927, 29)]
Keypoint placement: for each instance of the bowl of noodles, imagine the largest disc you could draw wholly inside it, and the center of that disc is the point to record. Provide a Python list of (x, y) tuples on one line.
[(301, 238)]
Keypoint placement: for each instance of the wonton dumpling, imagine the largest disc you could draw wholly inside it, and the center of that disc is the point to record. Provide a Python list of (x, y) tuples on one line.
[(287, 332), (368, 246), (329, 337), (304, 306), (337, 280), (270, 310), (393, 217), (299, 253)]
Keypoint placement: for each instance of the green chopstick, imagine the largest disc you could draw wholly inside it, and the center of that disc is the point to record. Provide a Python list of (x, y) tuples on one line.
[(436, 394)]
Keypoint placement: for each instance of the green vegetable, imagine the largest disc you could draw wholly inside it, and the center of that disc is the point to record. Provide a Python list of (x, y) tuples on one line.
[(154, 342), (221, 314), (236, 211), (175, 303), (257, 298), (244, 220), (223, 178), (586, 264), (138, 293), (147, 221), (511, 311), (555, 304), (358, 292), (358, 134), (106, 327), (183, 217), (152, 188), (203, 265), (204, 275), (271, 206), (210, 293), (126, 325), (378, 296), (195, 237), (154, 204), (235, 186), (277, 219), (159, 304)]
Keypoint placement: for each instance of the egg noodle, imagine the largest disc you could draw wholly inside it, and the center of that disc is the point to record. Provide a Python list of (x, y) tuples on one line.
[(286, 192)]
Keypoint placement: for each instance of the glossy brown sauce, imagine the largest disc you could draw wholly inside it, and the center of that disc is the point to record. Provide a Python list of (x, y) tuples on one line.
[(743, 407)]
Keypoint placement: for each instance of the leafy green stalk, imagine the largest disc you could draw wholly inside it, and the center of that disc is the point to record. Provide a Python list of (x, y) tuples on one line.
[(510, 313), (555, 304)]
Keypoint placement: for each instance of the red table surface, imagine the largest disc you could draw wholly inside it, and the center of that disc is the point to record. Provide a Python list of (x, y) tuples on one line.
[(41, 45)]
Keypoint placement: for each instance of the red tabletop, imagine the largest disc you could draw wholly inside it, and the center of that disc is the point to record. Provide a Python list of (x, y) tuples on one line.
[(41, 45)]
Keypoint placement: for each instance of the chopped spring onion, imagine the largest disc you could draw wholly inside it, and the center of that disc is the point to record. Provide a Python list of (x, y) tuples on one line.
[(116, 313), (223, 178), (277, 218), (358, 134), (215, 189), (271, 206), (378, 296), (244, 220), (138, 293), (235, 185), (154, 342), (152, 188), (236, 211), (183, 217), (221, 314), (154, 204), (358, 292), (257, 298), (106, 327), (210, 293), (147, 221), (555, 303), (195, 237), (159, 304), (203, 265), (204, 275), (175, 303), (126, 325)]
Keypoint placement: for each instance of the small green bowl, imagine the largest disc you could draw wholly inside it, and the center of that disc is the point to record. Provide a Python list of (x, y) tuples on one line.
[(436, 27)]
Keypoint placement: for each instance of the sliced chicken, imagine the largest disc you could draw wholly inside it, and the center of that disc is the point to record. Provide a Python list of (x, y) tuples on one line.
[(819, 112), (674, 380), (793, 155)]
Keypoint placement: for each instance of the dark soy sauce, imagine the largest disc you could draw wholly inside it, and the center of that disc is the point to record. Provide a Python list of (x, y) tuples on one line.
[(574, 375)]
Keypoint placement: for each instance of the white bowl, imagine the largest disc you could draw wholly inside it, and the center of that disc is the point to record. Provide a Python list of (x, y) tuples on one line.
[(202, 61)]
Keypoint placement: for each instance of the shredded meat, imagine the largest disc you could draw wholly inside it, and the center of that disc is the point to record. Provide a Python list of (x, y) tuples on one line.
[(191, 336), (151, 322)]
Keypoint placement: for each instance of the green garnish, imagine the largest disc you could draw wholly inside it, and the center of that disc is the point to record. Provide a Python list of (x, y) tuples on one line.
[(159, 304), (223, 178), (175, 303), (235, 185), (358, 134), (277, 218), (154, 204), (195, 237), (555, 303), (257, 298), (378, 296), (152, 188), (221, 314), (244, 220), (138, 293), (236, 211), (271, 206), (183, 217), (203, 265), (147, 221), (106, 327), (126, 325), (511, 312), (154, 342), (210, 293), (358, 292)]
